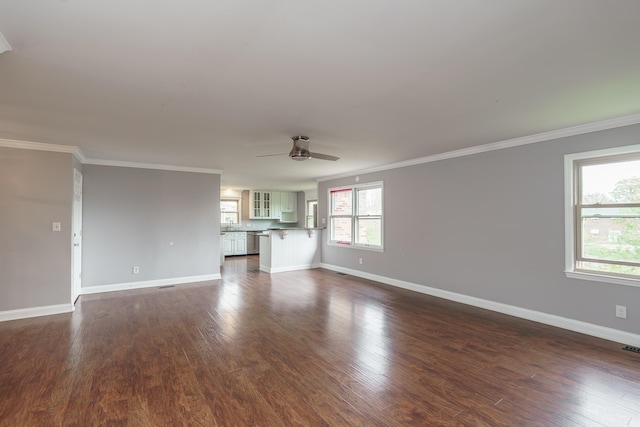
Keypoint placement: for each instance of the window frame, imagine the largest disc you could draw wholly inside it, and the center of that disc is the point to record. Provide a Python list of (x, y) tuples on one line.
[(238, 204), (354, 217), (312, 214), (573, 221)]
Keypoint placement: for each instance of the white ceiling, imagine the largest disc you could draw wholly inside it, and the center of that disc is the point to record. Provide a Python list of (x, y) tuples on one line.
[(212, 84)]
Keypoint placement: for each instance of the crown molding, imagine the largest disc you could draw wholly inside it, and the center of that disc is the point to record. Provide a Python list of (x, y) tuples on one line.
[(28, 145), (515, 142), (124, 164)]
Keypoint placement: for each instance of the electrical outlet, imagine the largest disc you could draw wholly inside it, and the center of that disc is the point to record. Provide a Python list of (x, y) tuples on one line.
[(56, 226), (136, 269), (621, 311), (360, 260)]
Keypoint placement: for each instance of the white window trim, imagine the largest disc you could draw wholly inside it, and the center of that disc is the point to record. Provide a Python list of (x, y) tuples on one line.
[(233, 199), (355, 245), (309, 213), (569, 218)]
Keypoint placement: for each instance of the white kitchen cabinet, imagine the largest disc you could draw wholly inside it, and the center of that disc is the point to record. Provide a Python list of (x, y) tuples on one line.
[(289, 201), (240, 247), (227, 244), (276, 197), (260, 206), (234, 243), (280, 205), (288, 207)]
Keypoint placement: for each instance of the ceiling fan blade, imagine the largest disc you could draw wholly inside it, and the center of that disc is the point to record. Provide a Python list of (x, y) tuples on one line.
[(270, 155), (323, 157)]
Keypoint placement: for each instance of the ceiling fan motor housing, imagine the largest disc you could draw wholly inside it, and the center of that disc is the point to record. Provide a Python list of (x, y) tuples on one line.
[(300, 150)]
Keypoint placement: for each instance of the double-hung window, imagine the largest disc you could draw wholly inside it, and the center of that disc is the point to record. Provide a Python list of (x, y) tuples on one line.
[(356, 216), (603, 215), (229, 211), (312, 213)]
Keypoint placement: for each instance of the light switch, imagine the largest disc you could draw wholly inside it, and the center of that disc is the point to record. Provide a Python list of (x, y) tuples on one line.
[(56, 226)]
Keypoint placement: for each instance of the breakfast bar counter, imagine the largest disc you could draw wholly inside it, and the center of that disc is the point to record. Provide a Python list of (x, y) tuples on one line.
[(290, 249)]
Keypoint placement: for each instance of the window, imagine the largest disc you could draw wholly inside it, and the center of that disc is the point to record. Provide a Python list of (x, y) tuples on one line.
[(355, 216), (603, 215), (229, 210), (312, 213)]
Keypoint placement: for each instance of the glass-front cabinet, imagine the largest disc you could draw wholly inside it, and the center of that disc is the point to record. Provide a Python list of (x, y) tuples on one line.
[(260, 202), (279, 205)]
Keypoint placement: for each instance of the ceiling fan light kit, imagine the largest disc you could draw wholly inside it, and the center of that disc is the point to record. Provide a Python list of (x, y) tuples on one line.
[(4, 44)]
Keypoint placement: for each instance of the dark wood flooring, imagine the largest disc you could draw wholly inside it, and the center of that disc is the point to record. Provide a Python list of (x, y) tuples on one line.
[(306, 348)]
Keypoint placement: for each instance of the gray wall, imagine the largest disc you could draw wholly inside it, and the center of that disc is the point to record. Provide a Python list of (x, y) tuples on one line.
[(36, 189), (132, 216), (491, 226)]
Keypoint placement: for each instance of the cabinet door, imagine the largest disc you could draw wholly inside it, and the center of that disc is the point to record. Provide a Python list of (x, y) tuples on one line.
[(227, 244), (255, 203), (276, 208), (266, 204), (289, 207), (285, 201), (241, 244), (289, 202)]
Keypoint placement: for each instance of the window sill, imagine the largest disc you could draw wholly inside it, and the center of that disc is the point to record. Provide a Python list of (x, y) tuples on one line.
[(363, 247), (594, 277)]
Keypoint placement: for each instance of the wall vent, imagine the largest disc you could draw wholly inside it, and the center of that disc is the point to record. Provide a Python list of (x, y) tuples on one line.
[(631, 348), (166, 287)]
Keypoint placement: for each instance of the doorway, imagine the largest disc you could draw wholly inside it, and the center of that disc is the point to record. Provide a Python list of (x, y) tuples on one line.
[(76, 256)]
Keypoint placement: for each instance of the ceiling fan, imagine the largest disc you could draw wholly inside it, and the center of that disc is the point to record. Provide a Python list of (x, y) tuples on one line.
[(300, 151)]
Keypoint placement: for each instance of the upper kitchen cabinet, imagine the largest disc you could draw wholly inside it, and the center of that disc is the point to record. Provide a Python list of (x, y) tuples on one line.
[(260, 205), (288, 207), (278, 205)]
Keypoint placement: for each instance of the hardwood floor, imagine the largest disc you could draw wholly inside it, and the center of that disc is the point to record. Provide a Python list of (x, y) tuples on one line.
[(305, 348)]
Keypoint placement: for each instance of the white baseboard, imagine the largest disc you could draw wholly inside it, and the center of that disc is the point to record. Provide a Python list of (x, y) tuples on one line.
[(148, 284), (24, 313), (290, 268), (536, 316)]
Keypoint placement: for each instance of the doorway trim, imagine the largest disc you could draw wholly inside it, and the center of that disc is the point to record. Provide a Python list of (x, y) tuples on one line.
[(76, 240)]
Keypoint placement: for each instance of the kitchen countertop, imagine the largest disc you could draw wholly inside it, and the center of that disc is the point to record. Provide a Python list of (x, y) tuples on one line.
[(274, 228), (296, 228), (266, 232)]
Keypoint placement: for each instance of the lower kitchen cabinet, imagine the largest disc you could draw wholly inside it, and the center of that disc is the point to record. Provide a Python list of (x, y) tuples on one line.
[(234, 243)]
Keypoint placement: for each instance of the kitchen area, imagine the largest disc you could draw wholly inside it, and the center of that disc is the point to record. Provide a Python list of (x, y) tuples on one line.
[(255, 222)]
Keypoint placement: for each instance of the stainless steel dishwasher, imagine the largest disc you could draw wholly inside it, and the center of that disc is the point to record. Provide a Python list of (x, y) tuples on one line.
[(253, 242)]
